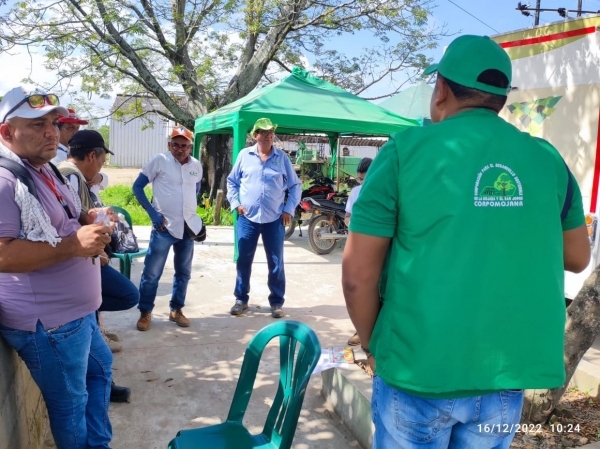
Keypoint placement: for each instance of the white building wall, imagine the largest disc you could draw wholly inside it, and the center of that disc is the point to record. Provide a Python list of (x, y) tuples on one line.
[(133, 145)]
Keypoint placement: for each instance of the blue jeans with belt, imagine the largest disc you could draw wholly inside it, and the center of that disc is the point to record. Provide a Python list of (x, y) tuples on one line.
[(71, 364), (154, 264), (406, 421), (247, 241)]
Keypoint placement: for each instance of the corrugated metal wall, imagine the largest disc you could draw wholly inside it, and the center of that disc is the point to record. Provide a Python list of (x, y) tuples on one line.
[(134, 146)]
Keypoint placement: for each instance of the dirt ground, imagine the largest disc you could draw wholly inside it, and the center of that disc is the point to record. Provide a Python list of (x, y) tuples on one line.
[(118, 176), (575, 423)]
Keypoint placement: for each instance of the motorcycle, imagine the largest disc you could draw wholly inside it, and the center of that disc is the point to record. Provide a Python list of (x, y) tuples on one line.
[(327, 226), (322, 187)]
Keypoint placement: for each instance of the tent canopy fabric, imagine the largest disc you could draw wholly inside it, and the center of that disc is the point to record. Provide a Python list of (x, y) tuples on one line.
[(303, 104), (300, 104), (412, 103)]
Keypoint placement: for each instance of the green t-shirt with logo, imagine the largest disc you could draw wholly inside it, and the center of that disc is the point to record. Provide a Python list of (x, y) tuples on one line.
[(474, 295)]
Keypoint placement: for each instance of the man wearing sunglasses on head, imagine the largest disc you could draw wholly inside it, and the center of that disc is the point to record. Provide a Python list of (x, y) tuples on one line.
[(49, 279), (175, 178)]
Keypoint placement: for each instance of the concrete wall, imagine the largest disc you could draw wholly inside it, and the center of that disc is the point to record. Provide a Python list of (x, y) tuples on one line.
[(23, 417)]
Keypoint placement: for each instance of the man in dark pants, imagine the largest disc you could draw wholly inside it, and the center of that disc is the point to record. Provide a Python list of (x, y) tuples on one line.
[(256, 189)]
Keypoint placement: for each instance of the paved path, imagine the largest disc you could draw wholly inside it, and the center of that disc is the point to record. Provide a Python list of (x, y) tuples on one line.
[(183, 378)]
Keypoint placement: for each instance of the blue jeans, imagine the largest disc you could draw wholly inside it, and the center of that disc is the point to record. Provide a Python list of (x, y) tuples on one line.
[(405, 421), (118, 292), (247, 240), (71, 364), (154, 264)]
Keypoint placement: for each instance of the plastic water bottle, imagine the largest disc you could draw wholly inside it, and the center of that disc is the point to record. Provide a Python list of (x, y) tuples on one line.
[(102, 217)]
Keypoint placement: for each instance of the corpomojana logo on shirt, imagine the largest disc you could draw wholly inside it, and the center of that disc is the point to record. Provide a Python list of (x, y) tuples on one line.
[(194, 173), (498, 186)]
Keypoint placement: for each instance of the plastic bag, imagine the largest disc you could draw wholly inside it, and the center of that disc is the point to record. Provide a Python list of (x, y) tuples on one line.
[(123, 240)]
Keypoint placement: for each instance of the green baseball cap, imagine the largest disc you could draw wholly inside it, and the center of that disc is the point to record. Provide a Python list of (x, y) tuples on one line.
[(263, 123), (469, 56)]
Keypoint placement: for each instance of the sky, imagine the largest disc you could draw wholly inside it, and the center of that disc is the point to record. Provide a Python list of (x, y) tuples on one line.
[(487, 17)]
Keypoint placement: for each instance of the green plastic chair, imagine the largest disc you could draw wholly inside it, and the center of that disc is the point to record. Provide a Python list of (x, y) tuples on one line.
[(126, 259), (299, 351)]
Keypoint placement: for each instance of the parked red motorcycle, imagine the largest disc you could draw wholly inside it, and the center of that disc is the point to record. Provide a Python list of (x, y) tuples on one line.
[(321, 188)]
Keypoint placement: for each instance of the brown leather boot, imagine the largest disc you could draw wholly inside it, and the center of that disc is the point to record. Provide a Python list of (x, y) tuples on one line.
[(178, 318), (143, 323)]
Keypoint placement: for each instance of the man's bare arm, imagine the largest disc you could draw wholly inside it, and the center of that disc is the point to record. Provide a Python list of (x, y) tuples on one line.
[(576, 251), (23, 256), (361, 269)]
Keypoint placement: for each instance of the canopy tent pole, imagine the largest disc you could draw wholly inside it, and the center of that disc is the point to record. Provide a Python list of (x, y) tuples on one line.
[(239, 143), (333, 144), (337, 152), (197, 145)]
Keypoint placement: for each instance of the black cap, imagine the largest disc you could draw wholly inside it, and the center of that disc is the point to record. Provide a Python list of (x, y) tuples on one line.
[(82, 142)]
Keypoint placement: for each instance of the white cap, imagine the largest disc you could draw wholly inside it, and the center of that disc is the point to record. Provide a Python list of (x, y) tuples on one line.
[(18, 94)]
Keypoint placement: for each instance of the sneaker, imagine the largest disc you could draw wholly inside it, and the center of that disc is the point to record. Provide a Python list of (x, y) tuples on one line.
[(238, 308), (277, 312), (119, 394), (143, 323), (177, 317), (354, 340)]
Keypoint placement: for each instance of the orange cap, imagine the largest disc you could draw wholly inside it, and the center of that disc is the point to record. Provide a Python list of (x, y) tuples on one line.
[(183, 132)]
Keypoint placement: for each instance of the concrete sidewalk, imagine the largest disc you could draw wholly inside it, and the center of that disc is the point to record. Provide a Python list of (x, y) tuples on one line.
[(185, 378)]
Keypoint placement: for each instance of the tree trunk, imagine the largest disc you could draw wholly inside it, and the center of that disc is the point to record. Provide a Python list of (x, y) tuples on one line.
[(583, 326), (219, 151)]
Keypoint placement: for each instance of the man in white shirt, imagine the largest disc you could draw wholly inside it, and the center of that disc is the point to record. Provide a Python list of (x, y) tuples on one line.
[(361, 172), (175, 178), (67, 126)]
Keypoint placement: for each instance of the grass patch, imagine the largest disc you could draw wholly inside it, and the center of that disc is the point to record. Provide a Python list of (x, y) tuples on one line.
[(122, 196)]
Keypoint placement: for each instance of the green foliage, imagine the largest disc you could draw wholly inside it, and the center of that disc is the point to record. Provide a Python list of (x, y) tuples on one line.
[(208, 215), (105, 133), (212, 53), (122, 196), (206, 211)]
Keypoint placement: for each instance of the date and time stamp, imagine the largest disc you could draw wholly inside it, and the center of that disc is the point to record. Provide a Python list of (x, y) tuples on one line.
[(529, 428)]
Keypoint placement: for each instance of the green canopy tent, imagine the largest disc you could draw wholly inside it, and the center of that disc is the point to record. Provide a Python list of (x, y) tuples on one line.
[(300, 104), (412, 103)]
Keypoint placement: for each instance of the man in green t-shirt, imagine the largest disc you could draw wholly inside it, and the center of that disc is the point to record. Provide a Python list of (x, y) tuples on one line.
[(478, 221)]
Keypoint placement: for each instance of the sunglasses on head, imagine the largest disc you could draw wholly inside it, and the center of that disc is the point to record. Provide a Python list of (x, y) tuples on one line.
[(35, 101)]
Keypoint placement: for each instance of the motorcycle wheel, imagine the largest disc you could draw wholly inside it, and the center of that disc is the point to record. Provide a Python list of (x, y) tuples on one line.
[(318, 225), (289, 229)]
